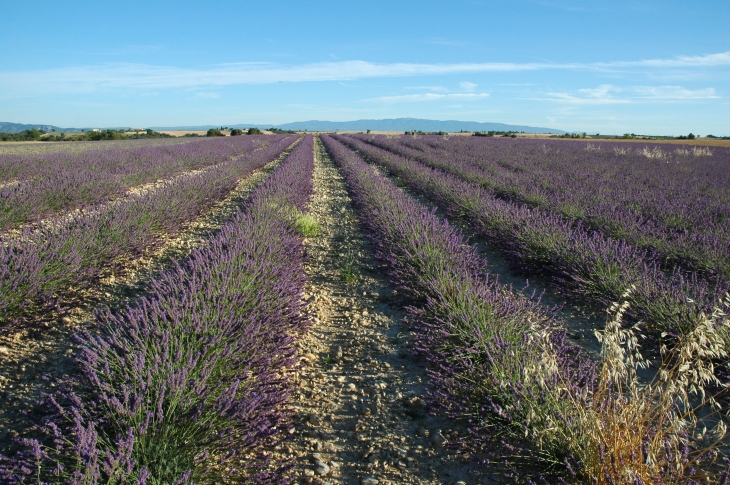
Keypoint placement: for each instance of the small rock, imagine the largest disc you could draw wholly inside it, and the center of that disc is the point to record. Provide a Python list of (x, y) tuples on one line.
[(422, 432), (315, 420), (4, 351), (369, 481), (309, 472), (322, 469), (438, 439), (66, 319), (461, 482)]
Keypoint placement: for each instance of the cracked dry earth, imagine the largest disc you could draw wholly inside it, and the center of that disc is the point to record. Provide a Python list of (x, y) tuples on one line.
[(359, 398)]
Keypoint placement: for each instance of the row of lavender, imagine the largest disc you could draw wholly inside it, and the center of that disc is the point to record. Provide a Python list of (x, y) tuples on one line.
[(585, 263), (187, 385), (500, 362), (676, 206), (37, 267), (49, 184)]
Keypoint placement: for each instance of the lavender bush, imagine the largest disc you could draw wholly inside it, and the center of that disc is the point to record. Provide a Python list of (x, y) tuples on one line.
[(585, 263), (48, 184), (500, 362), (188, 385), (669, 200), (39, 265)]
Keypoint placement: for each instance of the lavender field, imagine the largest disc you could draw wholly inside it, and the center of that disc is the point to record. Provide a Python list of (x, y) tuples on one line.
[(319, 309)]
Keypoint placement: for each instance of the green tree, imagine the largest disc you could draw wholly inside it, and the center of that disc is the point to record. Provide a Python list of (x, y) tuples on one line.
[(236, 132), (214, 132), (254, 131), (34, 134)]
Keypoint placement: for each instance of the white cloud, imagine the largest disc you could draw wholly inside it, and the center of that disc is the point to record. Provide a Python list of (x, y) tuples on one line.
[(674, 92), (609, 94), (467, 86), (418, 98), (438, 89), (708, 60), (143, 76), (206, 95)]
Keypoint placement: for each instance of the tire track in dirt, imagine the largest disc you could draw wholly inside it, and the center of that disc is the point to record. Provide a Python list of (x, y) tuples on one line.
[(359, 395)]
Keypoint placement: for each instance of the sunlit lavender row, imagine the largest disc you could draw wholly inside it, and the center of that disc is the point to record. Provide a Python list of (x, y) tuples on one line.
[(499, 363), (583, 262), (187, 384), (670, 200), (40, 265), (38, 186)]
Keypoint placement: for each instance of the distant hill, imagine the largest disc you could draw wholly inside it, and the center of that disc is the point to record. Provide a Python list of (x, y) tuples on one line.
[(6, 127), (410, 124), (397, 124)]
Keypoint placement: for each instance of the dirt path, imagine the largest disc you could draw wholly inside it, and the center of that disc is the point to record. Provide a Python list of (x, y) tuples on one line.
[(29, 357), (360, 397)]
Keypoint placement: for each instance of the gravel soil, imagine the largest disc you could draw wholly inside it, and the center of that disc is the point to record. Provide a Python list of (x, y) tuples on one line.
[(359, 396)]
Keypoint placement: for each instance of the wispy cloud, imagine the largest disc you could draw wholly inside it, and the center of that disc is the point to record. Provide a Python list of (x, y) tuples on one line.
[(674, 92), (418, 98), (609, 94), (207, 95), (467, 86), (143, 76), (437, 89)]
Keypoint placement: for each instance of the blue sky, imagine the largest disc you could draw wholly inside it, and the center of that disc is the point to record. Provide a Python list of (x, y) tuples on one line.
[(655, 67)]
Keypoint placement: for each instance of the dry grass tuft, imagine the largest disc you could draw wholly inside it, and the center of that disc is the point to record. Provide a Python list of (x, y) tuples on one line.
[(655, 152), (648, 433)]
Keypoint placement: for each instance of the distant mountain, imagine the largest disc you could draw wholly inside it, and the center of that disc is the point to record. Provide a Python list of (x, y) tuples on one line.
[(397, 124), (18, 127), (410, 124), (6, 127)]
